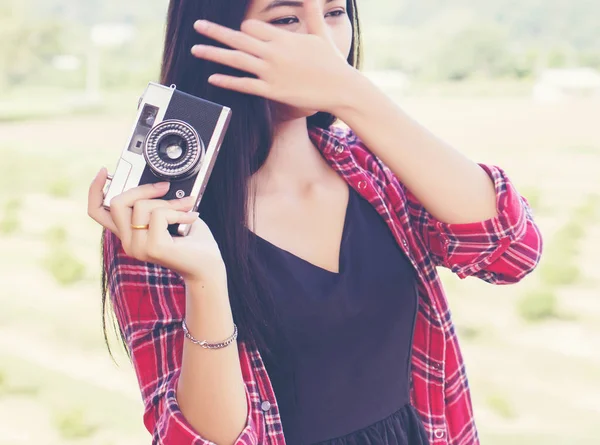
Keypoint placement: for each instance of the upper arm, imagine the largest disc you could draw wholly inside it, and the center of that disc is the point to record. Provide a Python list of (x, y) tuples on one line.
[(500, 250)]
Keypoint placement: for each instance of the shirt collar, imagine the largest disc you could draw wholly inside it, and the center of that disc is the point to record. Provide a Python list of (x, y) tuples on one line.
[(327, 140)]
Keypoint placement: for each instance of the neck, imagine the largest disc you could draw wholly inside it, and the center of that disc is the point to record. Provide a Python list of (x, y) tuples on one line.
[(294, 164)]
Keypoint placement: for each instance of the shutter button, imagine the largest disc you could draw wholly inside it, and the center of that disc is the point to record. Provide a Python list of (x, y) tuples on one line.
[(265, 406)]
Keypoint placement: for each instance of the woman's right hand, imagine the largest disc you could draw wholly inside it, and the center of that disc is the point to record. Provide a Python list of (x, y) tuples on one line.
[(195, 257)]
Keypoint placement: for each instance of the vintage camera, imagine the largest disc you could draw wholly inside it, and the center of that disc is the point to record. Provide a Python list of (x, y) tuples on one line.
[(176, 138)]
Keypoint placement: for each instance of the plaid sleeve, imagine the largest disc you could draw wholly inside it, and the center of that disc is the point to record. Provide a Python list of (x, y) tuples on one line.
[(149, 304), (500, 250)]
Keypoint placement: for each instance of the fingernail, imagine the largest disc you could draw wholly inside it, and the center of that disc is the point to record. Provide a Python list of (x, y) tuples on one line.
[(201, 24), (162, 185)]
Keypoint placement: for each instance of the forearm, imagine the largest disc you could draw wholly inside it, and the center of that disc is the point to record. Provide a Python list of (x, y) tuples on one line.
[(450, 186), (210, 391)]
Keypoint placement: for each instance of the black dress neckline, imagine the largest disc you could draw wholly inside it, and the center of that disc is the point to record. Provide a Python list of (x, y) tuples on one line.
[(340, 361), (305, 262)]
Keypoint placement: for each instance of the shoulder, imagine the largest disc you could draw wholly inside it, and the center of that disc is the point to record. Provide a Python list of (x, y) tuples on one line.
[(339, 139)]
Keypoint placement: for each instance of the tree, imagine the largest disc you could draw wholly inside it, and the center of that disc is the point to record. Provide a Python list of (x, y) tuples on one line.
[(25, 44)]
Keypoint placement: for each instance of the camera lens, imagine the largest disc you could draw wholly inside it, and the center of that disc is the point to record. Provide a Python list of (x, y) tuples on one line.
[(173, 150)]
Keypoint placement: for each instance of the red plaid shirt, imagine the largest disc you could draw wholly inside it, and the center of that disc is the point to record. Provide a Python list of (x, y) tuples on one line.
[(149, 301)]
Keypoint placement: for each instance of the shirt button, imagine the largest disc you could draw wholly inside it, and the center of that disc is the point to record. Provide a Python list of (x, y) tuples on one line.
[(404, 242), (362, 185), (265, 406), (339, 149), (439, 433)]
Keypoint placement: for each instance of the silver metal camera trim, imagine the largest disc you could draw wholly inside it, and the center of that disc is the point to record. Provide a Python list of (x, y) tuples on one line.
[(197, 140), (131, 165), (206, 169)]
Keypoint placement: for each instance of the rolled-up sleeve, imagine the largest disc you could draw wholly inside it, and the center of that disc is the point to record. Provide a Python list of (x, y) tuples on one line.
[(149, 304), (500, 250), (170, 427)]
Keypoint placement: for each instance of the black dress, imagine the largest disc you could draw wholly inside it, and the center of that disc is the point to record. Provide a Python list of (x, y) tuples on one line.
[(341, 366)]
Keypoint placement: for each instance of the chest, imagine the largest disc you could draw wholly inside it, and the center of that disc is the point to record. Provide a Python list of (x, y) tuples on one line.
[(309, 226)]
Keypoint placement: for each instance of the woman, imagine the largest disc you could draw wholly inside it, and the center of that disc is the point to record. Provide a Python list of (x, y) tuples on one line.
[(320, 243)]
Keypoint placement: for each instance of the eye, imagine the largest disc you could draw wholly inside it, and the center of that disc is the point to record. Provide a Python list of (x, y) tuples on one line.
[(336, 13), (285, 21)]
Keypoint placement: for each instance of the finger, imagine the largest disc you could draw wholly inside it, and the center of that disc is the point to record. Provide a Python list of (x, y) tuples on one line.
[(245, 85), (158, 235), (96, 209), (262, 31), (142, 210), (197, 228), (233, 58), (315, 21), (233, 39), (121, 206)]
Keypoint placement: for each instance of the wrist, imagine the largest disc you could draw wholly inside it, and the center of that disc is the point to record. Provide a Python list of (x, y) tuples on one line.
[(214, 279), (348, 92)]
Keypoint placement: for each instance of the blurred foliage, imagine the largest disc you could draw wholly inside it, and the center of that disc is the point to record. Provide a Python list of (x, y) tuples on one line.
[(500, 405), (538, 305), (56, 236), (60, 188), (72, 424), (60, 261), (26, 46), (64, 266), (560, 265), (533, 195), (10, 221)]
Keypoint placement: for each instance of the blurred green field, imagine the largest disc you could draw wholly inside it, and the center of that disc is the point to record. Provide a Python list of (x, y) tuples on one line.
[(531, 349)]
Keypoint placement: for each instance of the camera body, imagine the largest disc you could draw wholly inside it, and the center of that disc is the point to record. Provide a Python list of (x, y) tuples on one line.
[(176, 138)]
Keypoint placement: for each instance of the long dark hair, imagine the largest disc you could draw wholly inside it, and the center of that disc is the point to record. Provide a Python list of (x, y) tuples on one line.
[(245, 148)]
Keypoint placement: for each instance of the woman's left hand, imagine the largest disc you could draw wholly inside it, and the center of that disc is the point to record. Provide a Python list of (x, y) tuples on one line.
[(301, 70)]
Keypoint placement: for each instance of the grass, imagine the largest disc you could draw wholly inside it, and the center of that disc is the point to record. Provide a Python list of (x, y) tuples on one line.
[(469, 332), (538, 305), (560, 273), (501, 406), (533, 196), (60, 188), (64, 266), (560, 267), (73, 424), (10, 389), (79, 406), (11, 222), (60, 261), (16, 111), (56, 236)]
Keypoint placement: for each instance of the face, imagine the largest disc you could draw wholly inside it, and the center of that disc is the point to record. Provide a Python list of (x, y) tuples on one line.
[(289, 15)]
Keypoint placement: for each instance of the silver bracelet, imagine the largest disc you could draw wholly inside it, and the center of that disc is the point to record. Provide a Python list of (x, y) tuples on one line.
[(207, 345)]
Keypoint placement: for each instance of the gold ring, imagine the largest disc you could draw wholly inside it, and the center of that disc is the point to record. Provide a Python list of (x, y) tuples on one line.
[(144, 227)]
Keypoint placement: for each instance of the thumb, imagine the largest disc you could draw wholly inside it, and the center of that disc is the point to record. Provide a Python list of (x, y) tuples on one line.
[(315, 22)]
